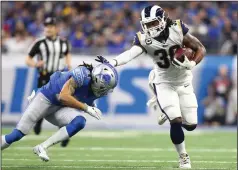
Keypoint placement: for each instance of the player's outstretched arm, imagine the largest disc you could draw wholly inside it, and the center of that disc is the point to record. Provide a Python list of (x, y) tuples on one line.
[(192, 42), (127, 56)]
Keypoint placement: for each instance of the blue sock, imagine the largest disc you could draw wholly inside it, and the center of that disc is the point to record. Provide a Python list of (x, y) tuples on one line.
[(77, 124), (14, 136), (176, 133)]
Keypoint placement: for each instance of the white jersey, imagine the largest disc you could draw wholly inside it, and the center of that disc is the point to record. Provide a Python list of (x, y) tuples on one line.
[(162, 54)]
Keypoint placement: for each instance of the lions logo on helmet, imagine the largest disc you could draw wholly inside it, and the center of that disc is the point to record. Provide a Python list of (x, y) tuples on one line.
[(104, 78), (153, 20)]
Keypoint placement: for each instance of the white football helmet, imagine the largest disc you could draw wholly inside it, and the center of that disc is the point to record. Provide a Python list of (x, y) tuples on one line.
[(104, 79), (153, 20)]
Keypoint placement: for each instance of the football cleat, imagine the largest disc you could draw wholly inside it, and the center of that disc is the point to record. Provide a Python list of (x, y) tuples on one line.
[(37, 127), (4, 144), (184, 161), (152, 103), (41, 152), (65, 143)]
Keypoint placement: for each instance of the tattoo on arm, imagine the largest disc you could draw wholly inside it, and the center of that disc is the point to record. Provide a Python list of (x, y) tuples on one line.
[(192, 42), (72, 86)]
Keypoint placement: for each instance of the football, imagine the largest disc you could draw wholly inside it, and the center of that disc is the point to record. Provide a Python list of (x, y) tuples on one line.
[(181, 52)]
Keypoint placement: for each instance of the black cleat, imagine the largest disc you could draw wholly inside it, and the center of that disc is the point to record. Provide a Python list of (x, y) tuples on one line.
[(37, 127), (65, 143)]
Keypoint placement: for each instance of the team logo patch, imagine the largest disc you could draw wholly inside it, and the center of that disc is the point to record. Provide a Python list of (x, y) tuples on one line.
[(106, 78), (148, 41)]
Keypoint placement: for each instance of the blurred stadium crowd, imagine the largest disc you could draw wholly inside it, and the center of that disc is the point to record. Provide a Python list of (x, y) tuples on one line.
[(109, 27), (221, 101)]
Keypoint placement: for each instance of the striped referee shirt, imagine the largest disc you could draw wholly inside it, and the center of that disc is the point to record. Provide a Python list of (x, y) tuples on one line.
[(52, 52)]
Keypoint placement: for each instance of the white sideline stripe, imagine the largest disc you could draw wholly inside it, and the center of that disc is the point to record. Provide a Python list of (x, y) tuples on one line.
[(135, 161), (104, 167), (134, 149)]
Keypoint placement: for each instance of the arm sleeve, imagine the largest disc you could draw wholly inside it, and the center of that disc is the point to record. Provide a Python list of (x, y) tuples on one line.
[(34, 49), (78, 76), (127, 56), (137, 41)]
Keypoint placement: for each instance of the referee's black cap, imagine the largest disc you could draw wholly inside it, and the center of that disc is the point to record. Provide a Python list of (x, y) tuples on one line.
[(50, 21)]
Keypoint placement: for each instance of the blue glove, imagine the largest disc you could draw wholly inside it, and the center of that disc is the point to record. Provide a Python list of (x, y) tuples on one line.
[(101, 59)]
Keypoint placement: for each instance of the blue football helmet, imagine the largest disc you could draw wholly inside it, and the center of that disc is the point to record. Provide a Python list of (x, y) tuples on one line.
[(153, 20)]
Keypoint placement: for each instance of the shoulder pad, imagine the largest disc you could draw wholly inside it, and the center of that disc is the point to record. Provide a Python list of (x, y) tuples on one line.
[(138, 40), (81, 75), (182, 27)]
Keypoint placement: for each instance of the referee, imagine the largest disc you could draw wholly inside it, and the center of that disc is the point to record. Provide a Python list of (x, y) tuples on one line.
[(53, 54)]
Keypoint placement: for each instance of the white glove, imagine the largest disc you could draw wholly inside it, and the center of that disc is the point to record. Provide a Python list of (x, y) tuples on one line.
[(152, 101), (93, 111), (29, 98), (186, 64)]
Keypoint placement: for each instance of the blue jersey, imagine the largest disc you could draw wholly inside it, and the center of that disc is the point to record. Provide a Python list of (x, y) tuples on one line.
[(83, 92)]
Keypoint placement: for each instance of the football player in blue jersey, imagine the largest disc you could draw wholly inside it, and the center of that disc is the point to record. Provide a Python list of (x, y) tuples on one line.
[(64, 101)]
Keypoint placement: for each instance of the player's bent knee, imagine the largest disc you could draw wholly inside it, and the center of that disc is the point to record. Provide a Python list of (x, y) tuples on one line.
[(77, 124), (14, 136), (190, 127)]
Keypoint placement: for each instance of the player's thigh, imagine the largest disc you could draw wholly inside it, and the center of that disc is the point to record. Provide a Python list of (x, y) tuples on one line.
[(168, 100), (188, 104), (63, 116), (37, 109)]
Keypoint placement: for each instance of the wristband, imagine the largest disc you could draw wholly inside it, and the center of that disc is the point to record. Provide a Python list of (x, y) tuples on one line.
[(116, 62), (86, 107)]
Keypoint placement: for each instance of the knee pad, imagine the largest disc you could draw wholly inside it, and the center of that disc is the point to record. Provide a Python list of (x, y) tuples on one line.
[(14, 136), (176, 133), (189, 127), (77, 124)]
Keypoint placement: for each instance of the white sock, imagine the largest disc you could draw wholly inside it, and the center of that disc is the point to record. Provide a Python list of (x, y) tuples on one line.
[(59, 136), (180, 148)]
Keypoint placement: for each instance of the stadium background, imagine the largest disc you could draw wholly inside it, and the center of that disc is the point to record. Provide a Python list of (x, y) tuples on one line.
[(108, 28)]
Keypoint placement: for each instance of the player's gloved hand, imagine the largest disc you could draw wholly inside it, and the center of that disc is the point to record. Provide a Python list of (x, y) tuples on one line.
[(186, 64), (101, 59), (93, 111), (29, 98)]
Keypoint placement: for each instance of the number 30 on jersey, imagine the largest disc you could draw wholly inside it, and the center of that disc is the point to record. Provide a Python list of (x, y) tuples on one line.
[(163, 56)]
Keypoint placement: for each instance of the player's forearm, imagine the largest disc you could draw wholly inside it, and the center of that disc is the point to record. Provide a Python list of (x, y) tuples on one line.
[(30, 62), (192, 42), (70, 101), (199, 54), (68, 61), (127, 56)]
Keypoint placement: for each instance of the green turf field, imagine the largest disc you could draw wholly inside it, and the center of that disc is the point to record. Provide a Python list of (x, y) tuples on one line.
[(124, 150)]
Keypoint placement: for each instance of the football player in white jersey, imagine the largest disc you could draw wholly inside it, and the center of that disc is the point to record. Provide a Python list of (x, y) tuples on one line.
[(171, 80)]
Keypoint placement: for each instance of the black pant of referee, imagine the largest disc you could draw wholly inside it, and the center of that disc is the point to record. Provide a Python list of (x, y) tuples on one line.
[(52, 53)]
